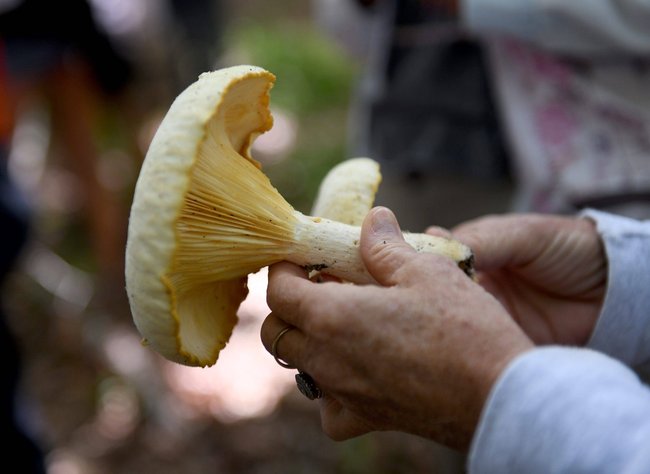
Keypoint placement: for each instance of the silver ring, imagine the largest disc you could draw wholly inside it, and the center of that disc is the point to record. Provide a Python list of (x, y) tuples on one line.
[(274, 348)]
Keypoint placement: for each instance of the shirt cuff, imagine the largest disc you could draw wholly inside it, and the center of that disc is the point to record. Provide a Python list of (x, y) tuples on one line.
[(623, 326), (563, 410)]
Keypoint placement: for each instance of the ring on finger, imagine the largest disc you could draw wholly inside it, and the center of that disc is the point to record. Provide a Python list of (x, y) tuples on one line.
[(274, 348), (307, 386)]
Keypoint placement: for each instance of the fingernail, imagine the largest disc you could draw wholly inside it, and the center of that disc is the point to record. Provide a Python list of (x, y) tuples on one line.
[(384, 224)]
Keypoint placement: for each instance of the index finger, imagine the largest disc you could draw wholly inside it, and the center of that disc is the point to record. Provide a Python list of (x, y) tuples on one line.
[(506, 240), (288, 289)]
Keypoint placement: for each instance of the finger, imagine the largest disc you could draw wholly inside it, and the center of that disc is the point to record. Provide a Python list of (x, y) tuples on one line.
[(509, 240), (289, 347), (338, 422), (438, 231), (289, 269), (383, 247), (319, 277), (288, 286)]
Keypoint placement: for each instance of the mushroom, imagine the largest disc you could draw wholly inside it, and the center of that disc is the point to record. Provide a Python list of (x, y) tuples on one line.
[(347, 192), (204, 216)]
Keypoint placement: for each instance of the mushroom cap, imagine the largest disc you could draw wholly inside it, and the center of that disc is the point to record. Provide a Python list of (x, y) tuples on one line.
[(347, 192), (188, 316)]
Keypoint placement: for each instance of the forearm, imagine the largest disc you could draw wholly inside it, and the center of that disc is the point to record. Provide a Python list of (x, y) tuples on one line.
[(571, 27), (564, 410)]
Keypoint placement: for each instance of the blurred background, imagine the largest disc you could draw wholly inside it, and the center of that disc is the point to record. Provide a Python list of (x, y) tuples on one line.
[(83, 87)]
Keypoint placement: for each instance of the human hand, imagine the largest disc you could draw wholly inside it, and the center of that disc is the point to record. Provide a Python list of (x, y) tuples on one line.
[(549, 272), (419, 353)]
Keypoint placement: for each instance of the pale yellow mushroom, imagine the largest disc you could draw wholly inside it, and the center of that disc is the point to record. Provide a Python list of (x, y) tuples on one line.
[(347, 192), (204, 216)]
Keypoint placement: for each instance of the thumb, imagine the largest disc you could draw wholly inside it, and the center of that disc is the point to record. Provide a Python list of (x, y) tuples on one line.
[(382, 245)]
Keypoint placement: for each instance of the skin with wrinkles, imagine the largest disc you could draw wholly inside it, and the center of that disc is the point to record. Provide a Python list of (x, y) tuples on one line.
[(553, 284)]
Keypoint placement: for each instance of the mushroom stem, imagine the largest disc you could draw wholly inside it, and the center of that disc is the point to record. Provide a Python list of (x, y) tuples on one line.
[(333, 247)]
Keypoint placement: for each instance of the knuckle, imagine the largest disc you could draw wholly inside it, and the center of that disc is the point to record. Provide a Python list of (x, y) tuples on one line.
[(333, 430), (319, 321), (267, 333)]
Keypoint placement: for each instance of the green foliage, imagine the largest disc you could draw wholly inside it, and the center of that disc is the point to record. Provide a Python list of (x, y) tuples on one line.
[(312, 73)]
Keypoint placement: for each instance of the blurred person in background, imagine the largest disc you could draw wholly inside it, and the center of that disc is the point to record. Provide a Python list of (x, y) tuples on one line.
[(97, 73), (458, 97), (72, 64)]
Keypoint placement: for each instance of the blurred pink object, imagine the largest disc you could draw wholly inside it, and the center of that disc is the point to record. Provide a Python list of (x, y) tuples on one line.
[(245, 382)]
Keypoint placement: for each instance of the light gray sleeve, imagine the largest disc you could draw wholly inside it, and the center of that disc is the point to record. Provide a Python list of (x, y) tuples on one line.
[(579, 27), (564, 410), (623, 327)]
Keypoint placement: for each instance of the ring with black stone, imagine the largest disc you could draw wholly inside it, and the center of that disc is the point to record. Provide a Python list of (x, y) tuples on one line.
[(307, 386)]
